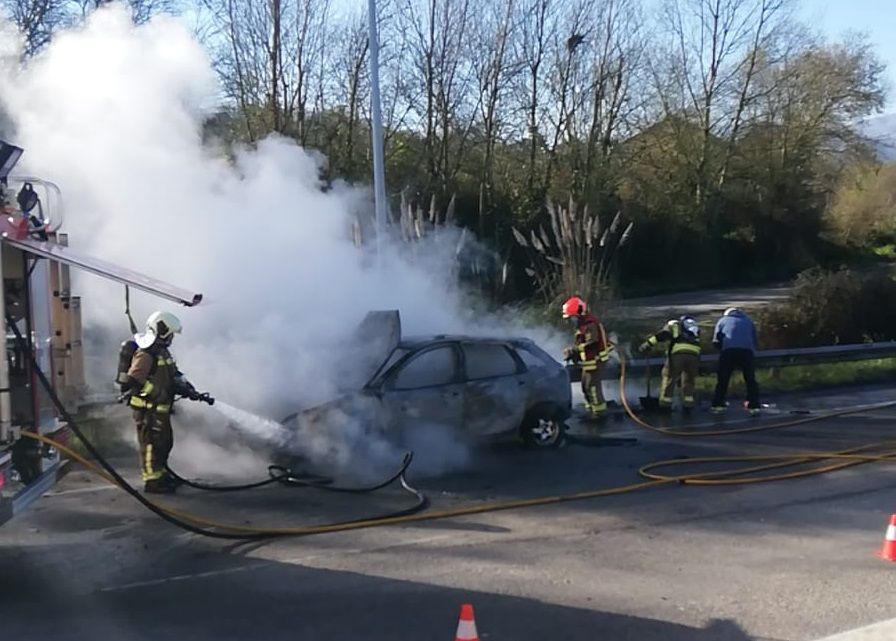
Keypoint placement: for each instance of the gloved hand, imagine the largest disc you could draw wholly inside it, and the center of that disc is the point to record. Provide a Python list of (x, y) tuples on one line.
[(644, 347), (567, 353), (192, 394)]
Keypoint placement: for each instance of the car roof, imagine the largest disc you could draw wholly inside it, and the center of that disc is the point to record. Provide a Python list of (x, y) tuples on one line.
[(415, 342)]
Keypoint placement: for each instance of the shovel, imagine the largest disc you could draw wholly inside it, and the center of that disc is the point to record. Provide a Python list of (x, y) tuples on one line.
[(649, 402)]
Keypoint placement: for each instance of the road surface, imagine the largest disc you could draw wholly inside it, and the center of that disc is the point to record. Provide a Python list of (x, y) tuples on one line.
[(787, 561)]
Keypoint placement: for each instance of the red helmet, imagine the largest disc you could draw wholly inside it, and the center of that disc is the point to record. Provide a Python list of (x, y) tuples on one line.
[(575, 306)]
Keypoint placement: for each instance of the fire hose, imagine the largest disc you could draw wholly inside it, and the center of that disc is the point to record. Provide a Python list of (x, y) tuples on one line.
[(751, 472)]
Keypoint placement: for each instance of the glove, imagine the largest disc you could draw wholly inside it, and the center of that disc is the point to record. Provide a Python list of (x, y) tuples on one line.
[(567, 353), (644, 347), (193, 395)]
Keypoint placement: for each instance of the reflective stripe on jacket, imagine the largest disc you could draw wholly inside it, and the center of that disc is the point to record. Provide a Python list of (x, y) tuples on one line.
[(591, 343), (680, 341), (155, 370)]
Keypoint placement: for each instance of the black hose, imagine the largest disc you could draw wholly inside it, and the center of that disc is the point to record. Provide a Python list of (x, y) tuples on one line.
[(421, 503), (285, 476)]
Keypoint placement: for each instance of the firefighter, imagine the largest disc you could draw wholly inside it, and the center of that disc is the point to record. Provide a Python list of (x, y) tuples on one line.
[(735, 338), (591, 350), (682, 359), (152, 382)]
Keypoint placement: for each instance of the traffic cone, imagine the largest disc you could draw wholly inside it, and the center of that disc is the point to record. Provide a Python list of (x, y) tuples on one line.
[(888, 552), (466, 627)]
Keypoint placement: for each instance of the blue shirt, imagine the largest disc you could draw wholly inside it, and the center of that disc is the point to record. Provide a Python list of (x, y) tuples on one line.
[(735, 331)]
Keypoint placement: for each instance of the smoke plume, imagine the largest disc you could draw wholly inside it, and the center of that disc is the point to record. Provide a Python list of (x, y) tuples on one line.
[(113, 113)]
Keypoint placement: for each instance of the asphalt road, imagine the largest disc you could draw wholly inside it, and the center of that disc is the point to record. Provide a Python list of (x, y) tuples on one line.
[(702, 302), (788, 561)]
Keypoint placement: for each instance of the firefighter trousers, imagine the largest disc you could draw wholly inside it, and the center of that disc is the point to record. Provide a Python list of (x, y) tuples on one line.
[(592, 388), (156, 439), (680, 368)]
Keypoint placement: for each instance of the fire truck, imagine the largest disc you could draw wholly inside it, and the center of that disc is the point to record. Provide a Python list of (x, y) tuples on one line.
[(42, 318)]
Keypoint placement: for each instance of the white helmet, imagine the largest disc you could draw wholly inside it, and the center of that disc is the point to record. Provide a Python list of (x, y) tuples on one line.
[(689, 323), (162, 325), (730, 311)]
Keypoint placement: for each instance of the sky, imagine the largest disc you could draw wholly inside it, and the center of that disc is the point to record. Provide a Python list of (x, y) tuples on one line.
[(877, 18)]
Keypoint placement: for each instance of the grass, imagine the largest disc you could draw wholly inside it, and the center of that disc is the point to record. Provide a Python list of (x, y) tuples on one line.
[(810, 377), (885, 251)]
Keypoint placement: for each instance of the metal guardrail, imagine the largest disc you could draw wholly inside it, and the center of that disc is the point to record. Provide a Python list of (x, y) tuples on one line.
[(765, 359)]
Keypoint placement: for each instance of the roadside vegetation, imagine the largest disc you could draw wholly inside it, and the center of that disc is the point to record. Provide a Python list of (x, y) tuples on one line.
[(722, 138)]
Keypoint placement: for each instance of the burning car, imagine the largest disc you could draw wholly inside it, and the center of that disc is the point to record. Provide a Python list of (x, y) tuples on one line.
[(478, 386)]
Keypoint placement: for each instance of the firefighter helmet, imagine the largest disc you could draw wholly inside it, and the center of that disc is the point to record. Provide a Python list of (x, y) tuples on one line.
[(689, 323), (575, 306), (162, 325)]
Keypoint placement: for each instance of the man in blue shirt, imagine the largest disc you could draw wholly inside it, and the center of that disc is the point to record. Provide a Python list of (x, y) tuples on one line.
[(735, 337)]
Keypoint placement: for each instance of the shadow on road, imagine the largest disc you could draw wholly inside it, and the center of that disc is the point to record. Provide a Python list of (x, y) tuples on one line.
[(274, 601)]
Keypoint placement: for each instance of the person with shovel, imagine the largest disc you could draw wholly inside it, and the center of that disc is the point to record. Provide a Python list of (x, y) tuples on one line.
[(682, 360)]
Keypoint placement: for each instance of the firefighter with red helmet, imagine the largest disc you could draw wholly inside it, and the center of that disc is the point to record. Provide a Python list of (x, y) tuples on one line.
[(590, 351)]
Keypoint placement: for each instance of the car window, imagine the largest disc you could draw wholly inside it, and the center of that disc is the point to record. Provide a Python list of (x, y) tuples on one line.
[(488, 360), (534, 357), (429, 369), (394, 357)]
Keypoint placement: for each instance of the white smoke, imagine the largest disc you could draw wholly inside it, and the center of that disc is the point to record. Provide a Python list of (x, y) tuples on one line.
[(112, 112)]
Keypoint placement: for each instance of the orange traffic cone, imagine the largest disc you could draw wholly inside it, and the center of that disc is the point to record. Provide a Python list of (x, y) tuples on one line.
[(888, 552), (466, 627)]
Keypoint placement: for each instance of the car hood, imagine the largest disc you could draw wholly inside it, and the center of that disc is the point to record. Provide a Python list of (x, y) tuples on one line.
[(375, 338)]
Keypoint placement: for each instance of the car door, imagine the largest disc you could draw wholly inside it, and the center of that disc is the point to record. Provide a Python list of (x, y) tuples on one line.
[(495, 391), (426, 389)]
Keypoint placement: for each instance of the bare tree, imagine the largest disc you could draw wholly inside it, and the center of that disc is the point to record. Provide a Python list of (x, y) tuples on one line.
[(269, 58), (36, 20), (141, 10), (442, 33), (537, 29), (616, 44), (493, 69), (712, 63)]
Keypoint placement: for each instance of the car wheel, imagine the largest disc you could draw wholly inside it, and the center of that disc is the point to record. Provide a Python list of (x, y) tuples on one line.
[(542, 428)]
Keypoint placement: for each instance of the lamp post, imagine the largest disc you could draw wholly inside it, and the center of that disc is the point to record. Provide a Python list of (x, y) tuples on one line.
[(376, 128)]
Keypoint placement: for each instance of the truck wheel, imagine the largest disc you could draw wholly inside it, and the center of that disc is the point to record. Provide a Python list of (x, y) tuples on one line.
[(543, 429)]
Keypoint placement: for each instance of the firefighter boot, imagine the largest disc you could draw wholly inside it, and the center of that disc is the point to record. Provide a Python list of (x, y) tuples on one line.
[(161, 485)]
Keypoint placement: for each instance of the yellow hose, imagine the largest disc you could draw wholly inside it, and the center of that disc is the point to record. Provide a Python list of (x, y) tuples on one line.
[(844, 458)]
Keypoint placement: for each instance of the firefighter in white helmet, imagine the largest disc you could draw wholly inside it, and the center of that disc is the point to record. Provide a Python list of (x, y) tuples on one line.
[(153, 380), (682, 359)]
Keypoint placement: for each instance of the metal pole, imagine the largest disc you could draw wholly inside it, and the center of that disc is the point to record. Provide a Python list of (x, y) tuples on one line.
[(6, 431), (376, 128)]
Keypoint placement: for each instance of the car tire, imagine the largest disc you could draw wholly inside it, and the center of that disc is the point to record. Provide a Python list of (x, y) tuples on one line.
[(543, 428)]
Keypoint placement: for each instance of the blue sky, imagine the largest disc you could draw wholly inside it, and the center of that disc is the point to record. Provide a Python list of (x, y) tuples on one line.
[(877, 18)]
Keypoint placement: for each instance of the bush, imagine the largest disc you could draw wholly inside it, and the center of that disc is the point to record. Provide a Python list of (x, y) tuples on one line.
[(831, 308)]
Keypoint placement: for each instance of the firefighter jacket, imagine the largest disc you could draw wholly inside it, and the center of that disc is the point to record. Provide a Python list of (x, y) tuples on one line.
[(155, 371), (680, 341), (591, 344)]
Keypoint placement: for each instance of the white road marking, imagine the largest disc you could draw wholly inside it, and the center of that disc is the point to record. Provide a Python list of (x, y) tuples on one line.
[(82, 490), (267, 563), (883, 631)]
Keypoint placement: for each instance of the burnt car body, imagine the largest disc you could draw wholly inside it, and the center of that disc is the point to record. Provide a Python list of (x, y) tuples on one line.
[(480, 386)]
